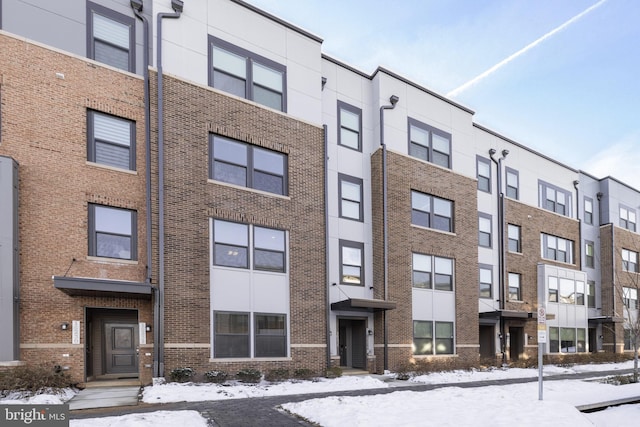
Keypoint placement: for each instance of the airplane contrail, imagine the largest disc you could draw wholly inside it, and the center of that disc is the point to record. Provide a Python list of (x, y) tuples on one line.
[(522, 51)]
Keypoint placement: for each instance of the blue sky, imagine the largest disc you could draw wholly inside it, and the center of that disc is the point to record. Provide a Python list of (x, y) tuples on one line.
[(573, 95)]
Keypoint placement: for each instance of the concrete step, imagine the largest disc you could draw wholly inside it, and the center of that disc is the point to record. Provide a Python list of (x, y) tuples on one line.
[(104, 397)]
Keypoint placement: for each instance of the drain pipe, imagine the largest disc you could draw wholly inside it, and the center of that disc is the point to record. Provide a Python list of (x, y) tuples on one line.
[(136, 5), (576, 184), (177, 6), (394, 100), (326, 249), (501, 248)]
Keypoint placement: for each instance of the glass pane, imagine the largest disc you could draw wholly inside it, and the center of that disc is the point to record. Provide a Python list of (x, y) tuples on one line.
[(230, 256), (421, 262), (231, 346), (110, 246), (419, 151), (420, 218), (514, 232), (268, 260), (232, 323), (270, 325), (444, 330), (350, 209), (444, 265), (512, 179), (444, 346), (110, 31), (350, 274), (230, 84), (485, 290), (485, 225), (420, 201), (230, 232), (422, 329), (485, 275), (267, 97), (112, 155), (441, 159), (512, 192), (350, 191), (112, 129), (441, 223), (422, 279), (351, 256), (422, 346), (483, 169), (267, 182), (268, 238), (419, 136), (232, 174), (349, 138), (483, 183), (267, 77), (229, 151), (109, 220), (442, 207), (111, 55), (268, 161), (440, 144), (349, 120), (230, 62), (443, 282), (567, 291)]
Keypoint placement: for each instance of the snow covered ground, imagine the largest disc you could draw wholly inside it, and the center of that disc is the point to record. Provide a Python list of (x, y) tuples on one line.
[(504, 405)]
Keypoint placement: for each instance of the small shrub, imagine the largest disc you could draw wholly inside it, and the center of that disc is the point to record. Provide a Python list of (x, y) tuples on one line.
[(303, 374), (34, 377), (404, 371), (217, 377), (334, 372), (277, 375), (182, 375), (249, 375)]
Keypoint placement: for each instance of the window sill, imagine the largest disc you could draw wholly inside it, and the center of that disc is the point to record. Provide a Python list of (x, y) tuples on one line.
[(252, 190), (112, 168), (249, 359), (449, 233), (515, 253), (112, 260), (559, 262)]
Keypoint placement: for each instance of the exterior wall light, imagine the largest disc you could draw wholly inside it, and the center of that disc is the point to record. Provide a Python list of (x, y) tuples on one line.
[(64, 326)]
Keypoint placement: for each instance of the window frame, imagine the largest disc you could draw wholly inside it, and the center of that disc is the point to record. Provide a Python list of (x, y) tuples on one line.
[(358, 112), (120, 18), (352, 180), (588, 213), (518, 241), (247, 248), (483, 233), (250, 59), (625, 255), (216, 334), (431, 215), (255, 249), (625, 221), (93, 232), (556, 340), (92, 141), (257, 351), (544, 188), (510, 188), (352, 245), (430, 130), (589, 260), (433, 340), (482, 178), (489, 285), (545, 239), (591, 294), (249, 165), (518, 288)]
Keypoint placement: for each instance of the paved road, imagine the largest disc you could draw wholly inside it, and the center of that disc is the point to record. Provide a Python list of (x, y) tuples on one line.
[(264, 412)]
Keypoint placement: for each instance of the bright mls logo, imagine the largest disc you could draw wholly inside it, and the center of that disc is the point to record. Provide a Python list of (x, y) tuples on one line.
[(35, 415)]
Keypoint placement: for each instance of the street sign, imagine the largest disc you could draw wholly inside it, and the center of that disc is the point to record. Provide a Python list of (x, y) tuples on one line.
[(542, 316)]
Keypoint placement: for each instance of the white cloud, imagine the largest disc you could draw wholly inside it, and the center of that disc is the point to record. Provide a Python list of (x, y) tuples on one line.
[(620, 160)]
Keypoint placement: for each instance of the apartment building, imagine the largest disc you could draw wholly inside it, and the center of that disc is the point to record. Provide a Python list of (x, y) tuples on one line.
[(182, 190)]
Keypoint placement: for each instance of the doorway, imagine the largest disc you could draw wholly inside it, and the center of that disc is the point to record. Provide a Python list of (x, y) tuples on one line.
[(487, 342), (593, 342), (352, 343), (516, 343), (111, 344)]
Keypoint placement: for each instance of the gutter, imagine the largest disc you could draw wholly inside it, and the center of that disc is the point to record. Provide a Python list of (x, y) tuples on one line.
[(576, 184), (326, 249)]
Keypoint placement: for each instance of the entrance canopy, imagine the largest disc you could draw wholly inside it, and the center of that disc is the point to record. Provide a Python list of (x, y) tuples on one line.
[(359, 304), (81, 286)]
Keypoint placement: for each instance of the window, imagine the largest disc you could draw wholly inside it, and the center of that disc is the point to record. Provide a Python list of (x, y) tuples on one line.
[(231, 246), (579, 292), (423, 337), (588, 254), (111, 141), (591, 293), (556, 248), (554, 199), (231, 334), (422, 269), (484, 230), (350, 193), (111, 37), (567, 340), (486, 281), (429, 144), (431, 211), (351, 263), (112, 232), (247, 165), (515, 293), (588, 210), (567, 291), (627, 218), (349, 126), (513, 186), (630, 297), (553, 289), (432, 271), (270, 335), (629, 261), (484, 174), (247, 75), (513, 232)]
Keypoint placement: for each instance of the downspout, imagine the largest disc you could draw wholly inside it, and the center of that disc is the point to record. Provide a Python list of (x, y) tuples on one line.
[(575, 185), (385, 233), (177, 6), (137, 9), (502, 263), (326, 249), (613, 285)]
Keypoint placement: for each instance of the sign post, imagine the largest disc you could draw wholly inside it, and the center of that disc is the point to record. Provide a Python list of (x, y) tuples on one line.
[(542, 340)]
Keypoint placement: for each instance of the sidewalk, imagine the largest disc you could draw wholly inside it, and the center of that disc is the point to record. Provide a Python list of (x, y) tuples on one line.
[(263, 411)]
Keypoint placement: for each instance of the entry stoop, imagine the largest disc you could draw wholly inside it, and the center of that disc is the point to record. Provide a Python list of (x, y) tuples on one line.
[(105, 394)]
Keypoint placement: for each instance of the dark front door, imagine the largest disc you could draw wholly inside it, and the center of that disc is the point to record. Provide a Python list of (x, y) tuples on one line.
[(487, 342), (516, 343), (120, 348), (352, 340)]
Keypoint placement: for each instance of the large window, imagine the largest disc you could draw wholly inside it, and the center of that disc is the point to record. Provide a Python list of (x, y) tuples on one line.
[(513, 185), (630, 297), (432, 272), (270, 335), (111, 140), (349, 126), (589, 259), (554, 199), (350, 193), (515, 289), (112, 232), (629, 261), (486, 281), (247, 165), (247, 75), (484, 230), (429, 144), (431, 211), (588, 210), (111, 37), (567, 340), (627, 218), (351, 263), (231, 334), (513, 233), (483, 166), (556, 248), (566, 291), (431, 337), (232, 248)]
